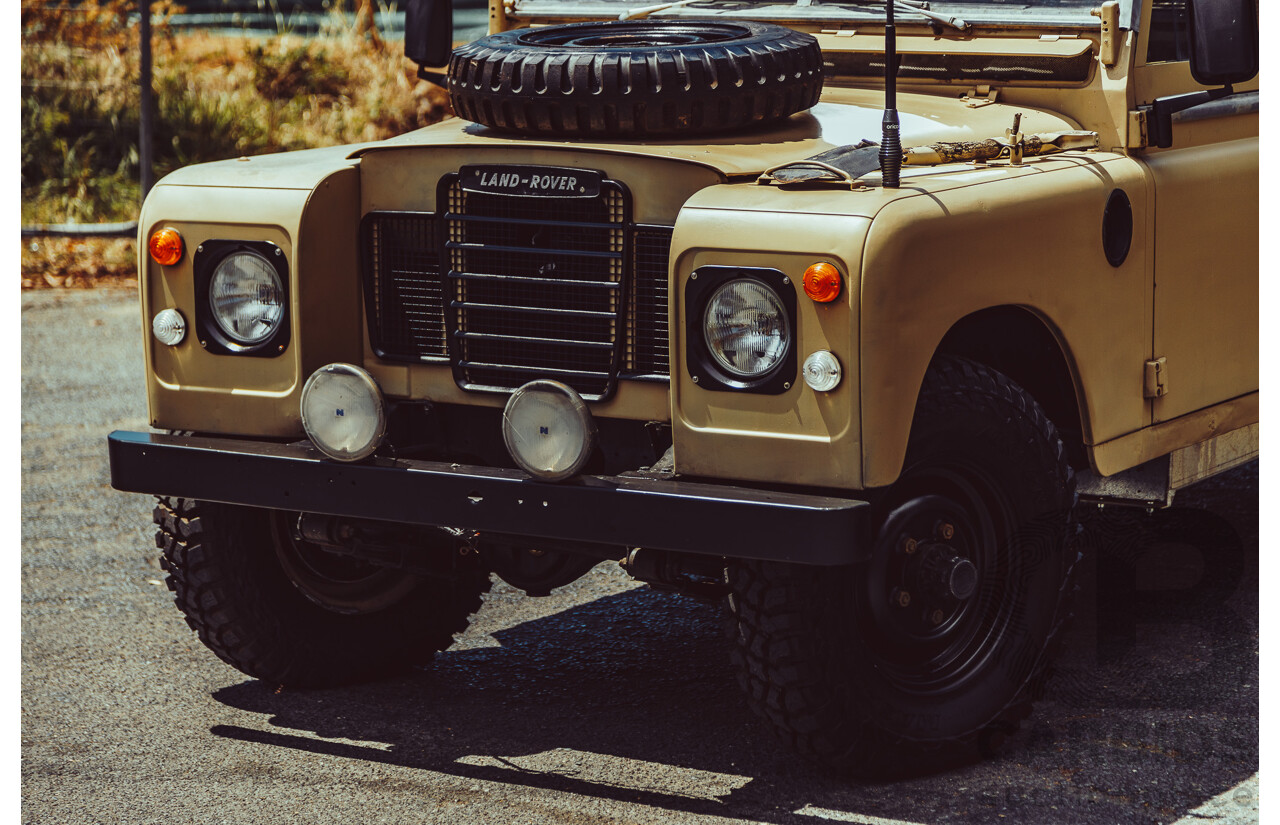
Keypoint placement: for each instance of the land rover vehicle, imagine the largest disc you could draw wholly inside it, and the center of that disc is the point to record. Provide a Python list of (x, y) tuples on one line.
[(681, 291)]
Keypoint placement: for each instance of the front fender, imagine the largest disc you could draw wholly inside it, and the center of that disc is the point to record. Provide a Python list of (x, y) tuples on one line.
[(965, 239)]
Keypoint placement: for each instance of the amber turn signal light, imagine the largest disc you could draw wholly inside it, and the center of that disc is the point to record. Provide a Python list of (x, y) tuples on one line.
[(165, 246), (822, 282)]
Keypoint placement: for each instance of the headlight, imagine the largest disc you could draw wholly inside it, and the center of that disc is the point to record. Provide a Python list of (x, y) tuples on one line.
[(746, 329), (246, 297)]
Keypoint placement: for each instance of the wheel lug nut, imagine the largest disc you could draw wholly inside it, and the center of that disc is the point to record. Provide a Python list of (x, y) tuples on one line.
[(946, 531), (936, 617), (900, 597), (909, 546)]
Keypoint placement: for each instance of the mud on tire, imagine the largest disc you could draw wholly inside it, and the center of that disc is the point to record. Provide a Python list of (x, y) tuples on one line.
[(636, 78), (227, 578), (860, 678)]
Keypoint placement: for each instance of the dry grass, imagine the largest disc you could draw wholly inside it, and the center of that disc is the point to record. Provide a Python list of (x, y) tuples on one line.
[(217, 98), (77, 263)]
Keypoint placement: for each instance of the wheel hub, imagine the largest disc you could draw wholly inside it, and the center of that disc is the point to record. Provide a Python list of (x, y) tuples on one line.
[(944, 574), (924, 583)]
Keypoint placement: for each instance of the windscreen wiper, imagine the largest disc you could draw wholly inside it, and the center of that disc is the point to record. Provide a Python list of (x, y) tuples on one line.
[(911, 6), (919, 7)]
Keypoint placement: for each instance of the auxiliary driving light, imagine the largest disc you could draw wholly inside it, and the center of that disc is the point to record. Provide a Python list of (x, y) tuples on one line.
[(343, 412), (822, 371), (548, 430), (169, 327)]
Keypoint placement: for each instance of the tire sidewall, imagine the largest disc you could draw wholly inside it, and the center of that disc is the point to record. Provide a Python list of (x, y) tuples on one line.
[(998, 440)]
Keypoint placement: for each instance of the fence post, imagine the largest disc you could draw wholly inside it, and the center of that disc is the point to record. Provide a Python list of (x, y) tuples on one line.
[(147, 174)]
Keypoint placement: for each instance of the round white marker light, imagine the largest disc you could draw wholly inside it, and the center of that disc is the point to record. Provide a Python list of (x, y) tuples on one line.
[(169, 327), (343, 412), (548, 430), (822, 371)]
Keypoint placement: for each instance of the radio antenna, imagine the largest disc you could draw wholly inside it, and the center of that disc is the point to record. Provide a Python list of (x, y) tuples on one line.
[(890, 142)]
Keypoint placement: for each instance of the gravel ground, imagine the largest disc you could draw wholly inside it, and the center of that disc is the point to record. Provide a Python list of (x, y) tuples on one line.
[(605, 702)]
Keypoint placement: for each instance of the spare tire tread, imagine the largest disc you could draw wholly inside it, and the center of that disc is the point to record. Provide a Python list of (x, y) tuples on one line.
[(651, 91)]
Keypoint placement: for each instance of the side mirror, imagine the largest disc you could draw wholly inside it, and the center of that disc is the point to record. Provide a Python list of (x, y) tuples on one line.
[(428, 33), (1224, 41)]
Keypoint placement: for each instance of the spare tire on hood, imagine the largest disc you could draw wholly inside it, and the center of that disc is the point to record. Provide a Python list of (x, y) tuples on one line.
[(636, 78)]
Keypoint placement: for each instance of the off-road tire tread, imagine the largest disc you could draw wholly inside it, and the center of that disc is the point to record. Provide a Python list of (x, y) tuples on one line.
[(244, 610), (773, 612), (683, 91)]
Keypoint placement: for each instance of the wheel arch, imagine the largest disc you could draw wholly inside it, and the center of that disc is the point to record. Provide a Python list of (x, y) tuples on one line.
[(1027, 347)]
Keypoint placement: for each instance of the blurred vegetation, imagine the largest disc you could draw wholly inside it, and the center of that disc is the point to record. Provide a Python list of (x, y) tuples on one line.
[(217, 97)]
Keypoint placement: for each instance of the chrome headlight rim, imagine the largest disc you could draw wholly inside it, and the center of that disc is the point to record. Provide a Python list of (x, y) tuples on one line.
[(213, 334), (710, 372)]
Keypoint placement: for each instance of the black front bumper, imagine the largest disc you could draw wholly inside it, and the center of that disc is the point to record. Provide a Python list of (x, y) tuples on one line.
[(624, 511)]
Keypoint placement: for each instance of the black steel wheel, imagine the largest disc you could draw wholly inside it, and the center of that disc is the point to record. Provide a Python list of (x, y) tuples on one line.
[(290, 613), (931, 650), (636, 78)]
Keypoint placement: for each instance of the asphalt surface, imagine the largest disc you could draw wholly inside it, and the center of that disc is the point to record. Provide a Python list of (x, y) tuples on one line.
[(605, 702)]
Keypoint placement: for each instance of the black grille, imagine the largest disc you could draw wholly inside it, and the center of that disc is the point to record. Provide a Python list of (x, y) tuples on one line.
[(402, 289), (535, 288), (509, 289), (648, 352)]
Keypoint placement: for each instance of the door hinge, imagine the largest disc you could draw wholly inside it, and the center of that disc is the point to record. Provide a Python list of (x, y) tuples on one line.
[(982, 95), (1137, 137), (1155, 379)]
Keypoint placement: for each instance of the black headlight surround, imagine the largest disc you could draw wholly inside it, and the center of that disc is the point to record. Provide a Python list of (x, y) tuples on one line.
[(205, 260), (699, 361)]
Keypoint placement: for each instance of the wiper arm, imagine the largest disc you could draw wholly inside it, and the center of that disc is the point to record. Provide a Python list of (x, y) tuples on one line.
[(910, 6), (920, 7), (645, 11), (953, 22)]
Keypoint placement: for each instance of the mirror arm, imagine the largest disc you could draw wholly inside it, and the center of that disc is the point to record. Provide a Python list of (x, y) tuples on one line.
[(1160, 113), (441, 80)]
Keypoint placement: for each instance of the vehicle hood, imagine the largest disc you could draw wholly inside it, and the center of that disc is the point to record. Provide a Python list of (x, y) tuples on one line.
[(842, 117)]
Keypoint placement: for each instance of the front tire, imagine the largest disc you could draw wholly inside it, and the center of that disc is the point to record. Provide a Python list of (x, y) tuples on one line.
[(293, 615), (932, 650)]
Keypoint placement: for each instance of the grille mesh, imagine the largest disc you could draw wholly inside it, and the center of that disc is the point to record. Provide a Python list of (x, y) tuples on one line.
[(403, 295), (648, 351), (510, 289)]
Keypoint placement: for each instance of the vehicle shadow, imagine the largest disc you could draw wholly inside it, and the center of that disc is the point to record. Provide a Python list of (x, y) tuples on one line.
[(1158, 681)]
